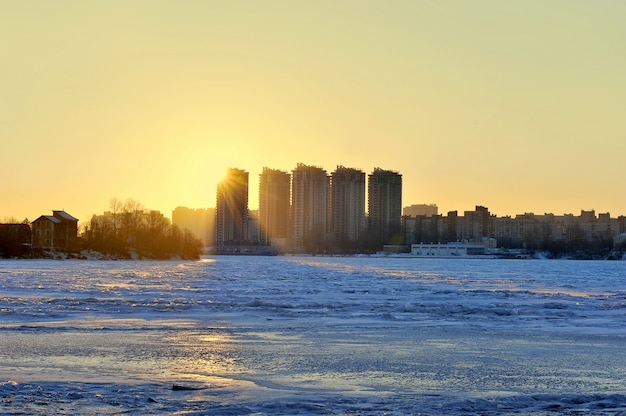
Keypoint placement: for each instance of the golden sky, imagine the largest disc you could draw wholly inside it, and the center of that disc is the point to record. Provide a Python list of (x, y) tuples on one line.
[(515, 105)]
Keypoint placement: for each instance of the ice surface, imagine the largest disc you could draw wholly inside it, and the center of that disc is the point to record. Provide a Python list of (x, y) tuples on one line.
[(312, 335)]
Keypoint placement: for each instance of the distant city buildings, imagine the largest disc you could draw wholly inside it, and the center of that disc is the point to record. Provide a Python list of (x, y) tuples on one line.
[(416, 210), (201, 222), (309, 205), (274, 207), (554, 233), (347, 203), (307, 210), (232, 209), (385, 205)]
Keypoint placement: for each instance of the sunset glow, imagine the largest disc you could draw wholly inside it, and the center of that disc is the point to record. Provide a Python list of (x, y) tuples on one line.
[(517, 106)]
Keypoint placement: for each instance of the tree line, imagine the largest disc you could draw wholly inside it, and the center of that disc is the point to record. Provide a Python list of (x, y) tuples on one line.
[(128, 230)]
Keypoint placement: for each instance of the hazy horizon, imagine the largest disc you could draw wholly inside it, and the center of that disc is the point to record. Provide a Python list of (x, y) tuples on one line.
[(516, 106)]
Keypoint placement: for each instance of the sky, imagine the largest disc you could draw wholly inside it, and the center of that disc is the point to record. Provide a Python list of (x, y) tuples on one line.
[(514, 105)]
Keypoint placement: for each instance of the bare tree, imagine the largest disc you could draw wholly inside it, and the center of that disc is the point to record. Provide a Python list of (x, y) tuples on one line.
[(116, 206), (132, 216)]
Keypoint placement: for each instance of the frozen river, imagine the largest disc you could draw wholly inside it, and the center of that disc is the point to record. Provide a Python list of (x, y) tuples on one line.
[(312, 335)]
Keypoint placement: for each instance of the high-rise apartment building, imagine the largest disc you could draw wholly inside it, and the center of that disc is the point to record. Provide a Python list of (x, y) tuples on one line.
[(385, 205), (231, 226), (274, 205), (309, 199), (347, 203)]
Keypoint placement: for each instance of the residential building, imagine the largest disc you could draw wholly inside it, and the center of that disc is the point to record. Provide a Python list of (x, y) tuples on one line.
[(474, 225), (424, 229), (309, 188), (201, 222), (417, 210), (274, 206), (56, 231), (232, 209), (451, 226), (452, 249), (15, 239), (347, 203), (385, 205)]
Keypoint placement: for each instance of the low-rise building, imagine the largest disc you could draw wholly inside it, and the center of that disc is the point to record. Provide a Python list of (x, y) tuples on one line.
[(458, 249), (15, 240), (416, 210), (56, 231)]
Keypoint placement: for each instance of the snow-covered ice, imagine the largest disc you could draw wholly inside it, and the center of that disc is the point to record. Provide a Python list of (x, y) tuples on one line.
[(312, 335)]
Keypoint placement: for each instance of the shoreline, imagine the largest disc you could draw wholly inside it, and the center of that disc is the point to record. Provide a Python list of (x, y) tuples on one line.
[(90, 255)]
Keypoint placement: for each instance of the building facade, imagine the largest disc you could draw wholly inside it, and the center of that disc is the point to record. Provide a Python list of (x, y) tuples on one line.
[(56, 231), (201, 222), (231, 226), (474, 225), (416, 210), (385, 205), (15, 239), (309, 187), (274, 206), (347, 202), (424, 229)]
